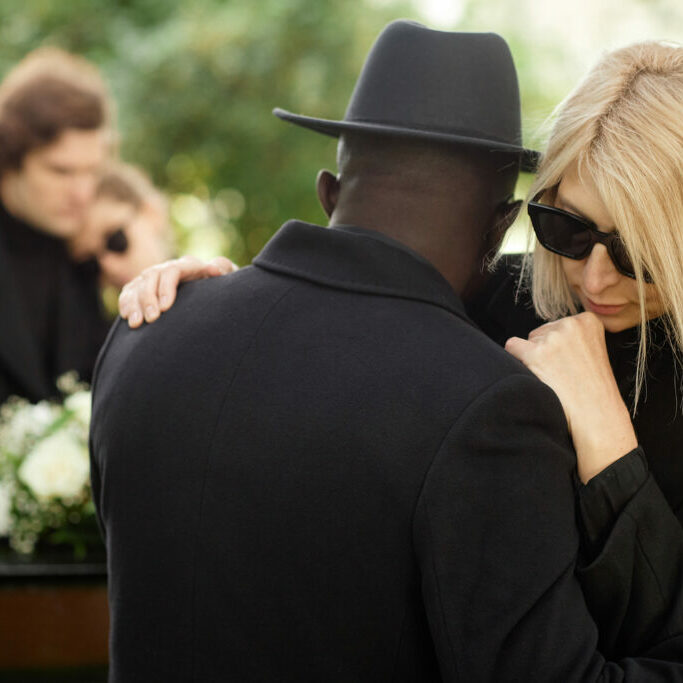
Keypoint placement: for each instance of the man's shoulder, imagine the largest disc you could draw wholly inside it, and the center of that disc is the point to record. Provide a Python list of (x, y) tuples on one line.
[(203, 309), (212, 301), (441, 355)]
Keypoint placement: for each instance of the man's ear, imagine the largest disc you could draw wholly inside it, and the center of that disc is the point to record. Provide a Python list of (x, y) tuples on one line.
[(327, 185)]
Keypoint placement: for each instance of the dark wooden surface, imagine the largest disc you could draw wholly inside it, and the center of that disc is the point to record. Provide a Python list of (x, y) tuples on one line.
[(54, 618), (50, 564)]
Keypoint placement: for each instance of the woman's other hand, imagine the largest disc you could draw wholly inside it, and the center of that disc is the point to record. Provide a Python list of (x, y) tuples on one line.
[(570, 356), (153, 291)]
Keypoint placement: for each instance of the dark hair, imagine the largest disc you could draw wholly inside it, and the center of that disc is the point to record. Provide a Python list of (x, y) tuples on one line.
[(47, 93), (413, 164)]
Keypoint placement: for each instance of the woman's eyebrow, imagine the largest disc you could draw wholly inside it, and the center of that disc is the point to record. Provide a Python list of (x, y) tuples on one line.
[(568, 206)]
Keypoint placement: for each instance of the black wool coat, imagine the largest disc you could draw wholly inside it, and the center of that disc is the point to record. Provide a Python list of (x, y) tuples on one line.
[(51, 320), (319, 469)]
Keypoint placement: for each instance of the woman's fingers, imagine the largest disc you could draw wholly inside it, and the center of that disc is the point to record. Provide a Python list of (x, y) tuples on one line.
[(517, 347), (570, 356), (129, 308), (186, 269), (138, 301), (223, 265), (172, 273), (155, 289), (169, 278), (148, 296), (541, 331)]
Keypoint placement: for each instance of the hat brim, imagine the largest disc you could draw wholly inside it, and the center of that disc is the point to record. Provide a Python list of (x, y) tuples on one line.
[(528, 158)]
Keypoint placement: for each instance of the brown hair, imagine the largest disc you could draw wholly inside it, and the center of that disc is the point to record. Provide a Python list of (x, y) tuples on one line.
[(48, 92)]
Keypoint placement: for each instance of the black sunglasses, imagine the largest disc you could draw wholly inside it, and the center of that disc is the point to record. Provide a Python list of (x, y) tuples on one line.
[(574, 237), (116, 240)]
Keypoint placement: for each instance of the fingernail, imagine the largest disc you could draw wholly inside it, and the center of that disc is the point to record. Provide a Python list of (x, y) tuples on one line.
[(135, 318), (150, 312), (164, 300)]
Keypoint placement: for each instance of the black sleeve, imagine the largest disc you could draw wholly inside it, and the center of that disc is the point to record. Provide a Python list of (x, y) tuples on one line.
[(631, 568), (496, 540)]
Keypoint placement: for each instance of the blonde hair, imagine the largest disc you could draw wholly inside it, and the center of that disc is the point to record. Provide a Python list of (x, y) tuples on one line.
[(623, 126), (129, 184)]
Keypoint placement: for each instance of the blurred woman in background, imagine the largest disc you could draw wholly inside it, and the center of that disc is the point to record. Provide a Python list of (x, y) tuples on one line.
[(126, 226)]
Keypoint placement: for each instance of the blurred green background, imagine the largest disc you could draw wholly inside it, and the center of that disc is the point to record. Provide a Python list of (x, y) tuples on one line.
[(195, 84)]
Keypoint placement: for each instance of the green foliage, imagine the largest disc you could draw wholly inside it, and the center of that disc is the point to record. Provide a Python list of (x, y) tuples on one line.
[(195, 84)]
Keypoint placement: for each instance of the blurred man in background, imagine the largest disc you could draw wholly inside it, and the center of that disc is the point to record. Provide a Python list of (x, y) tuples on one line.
[(56, 131), (57, 244)]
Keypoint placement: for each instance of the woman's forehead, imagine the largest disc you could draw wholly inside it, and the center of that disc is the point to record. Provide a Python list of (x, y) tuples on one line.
[(578, 194)]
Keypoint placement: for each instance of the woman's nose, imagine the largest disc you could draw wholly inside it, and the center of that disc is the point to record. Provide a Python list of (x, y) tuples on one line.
[(599, 271)]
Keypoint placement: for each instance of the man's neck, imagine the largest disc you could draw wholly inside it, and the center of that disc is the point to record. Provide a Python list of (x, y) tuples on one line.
[(441, 245)]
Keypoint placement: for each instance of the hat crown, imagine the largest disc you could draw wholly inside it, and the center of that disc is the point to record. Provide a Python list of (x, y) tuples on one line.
[(447, 87), (462, 84)]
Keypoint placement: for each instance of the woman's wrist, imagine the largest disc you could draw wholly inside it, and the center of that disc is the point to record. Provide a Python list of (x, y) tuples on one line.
[(598, 448)]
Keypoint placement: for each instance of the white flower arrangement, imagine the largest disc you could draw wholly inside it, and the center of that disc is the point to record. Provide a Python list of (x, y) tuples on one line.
[(45, 471)]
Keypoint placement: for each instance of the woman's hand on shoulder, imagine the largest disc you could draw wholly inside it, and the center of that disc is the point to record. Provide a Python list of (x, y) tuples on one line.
[(152, 292), (570, 356)]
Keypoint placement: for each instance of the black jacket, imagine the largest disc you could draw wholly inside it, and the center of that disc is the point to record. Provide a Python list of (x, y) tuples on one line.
[(318, 469), (51, 320), (631, 514)]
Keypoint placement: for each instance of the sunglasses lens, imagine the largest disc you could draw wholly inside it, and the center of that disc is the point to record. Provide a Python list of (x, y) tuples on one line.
[(570, 236), (116, 241), (620, 257), (623, 262), (561, 234)]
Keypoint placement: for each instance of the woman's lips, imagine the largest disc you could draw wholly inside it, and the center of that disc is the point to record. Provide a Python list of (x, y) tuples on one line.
[(604, 309)]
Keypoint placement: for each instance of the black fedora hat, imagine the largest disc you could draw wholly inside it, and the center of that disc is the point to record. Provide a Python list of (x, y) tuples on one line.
[(445, 86)]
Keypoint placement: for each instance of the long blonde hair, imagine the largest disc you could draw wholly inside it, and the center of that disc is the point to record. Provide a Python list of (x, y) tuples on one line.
[(623, 126)]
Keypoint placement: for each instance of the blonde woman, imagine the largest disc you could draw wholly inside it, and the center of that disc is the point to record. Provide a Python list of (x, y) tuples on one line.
[(126, 226), (607, 209)]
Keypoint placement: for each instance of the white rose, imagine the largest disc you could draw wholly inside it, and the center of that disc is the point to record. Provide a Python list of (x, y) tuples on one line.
[(58, 467), (43, 415), (5, 507), (80, 403)]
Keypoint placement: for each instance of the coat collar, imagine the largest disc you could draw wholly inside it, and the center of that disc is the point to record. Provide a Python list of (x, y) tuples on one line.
[(359, 260)]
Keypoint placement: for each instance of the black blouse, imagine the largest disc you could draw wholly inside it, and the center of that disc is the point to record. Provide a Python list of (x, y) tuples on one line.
[(51, 318), (631, 514)]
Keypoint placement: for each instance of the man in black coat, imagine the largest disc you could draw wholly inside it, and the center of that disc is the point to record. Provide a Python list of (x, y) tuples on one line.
[(55, 134), (318, 468)]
